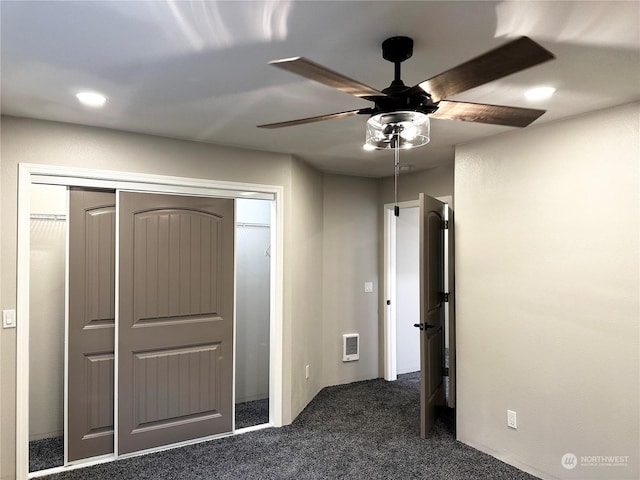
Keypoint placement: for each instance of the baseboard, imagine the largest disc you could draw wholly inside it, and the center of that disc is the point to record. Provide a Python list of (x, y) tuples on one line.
[(509, 460), (42, 436), (346, 381), (252, 398)]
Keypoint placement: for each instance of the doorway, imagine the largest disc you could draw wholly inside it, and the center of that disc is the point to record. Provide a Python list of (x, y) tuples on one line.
[(401, 284), (62, 178), (407, 301)]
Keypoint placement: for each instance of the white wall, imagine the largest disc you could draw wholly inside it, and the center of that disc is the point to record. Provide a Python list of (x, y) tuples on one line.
[(407, 290), (252, 242), (46, 333), (548, 302), (349, 254)]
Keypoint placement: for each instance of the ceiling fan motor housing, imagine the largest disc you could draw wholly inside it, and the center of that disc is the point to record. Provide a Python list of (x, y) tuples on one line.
[(397, 49)]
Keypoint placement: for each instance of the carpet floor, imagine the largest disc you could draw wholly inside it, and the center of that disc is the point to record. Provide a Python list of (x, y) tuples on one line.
[(46, 453), (365, 430), (49, 452), (252, 413)]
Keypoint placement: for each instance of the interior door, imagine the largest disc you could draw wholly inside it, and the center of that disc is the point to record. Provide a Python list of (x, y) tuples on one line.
[(432, 390), (175, 319), (91, 311)]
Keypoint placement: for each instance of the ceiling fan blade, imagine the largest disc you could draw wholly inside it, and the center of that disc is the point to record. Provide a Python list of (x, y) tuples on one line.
[(330, 116), (482, 113), (314, 71), (509, 58)]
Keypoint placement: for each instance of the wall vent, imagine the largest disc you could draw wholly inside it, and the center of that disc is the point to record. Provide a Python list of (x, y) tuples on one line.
[(350, 347)]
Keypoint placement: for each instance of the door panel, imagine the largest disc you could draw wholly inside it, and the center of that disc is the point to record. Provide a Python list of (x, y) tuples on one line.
[(176, 319), (432, 391), (91, 323)]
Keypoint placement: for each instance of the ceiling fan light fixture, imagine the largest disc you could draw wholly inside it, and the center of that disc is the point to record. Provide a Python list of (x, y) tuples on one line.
[(410, 127)]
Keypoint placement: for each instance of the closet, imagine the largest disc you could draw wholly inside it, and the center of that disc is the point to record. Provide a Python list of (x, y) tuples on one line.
[(163, 372)]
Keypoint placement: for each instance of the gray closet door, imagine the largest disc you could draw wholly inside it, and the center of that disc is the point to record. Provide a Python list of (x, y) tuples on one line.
[(432, 393), (175, 319), (91, 323)]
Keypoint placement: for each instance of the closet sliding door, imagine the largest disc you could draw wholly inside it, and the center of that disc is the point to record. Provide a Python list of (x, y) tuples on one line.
[(175, 340), (92, 216), (175, 320)]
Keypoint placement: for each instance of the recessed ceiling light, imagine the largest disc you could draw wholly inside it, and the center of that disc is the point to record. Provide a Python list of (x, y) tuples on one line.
[(91, 99), (539, 93)]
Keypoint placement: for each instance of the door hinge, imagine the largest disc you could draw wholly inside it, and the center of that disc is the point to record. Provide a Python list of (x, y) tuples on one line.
[(445, 372), (445, 224), (444, 297)]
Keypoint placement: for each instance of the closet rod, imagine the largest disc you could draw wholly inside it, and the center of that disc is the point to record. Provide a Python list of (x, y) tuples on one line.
[(48, 216), (245, 224)]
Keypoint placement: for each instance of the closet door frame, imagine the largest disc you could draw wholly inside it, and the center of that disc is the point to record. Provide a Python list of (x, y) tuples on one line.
[(29, 174)]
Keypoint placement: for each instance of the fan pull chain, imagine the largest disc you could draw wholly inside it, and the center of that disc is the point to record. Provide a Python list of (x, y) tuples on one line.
[(396, 172)]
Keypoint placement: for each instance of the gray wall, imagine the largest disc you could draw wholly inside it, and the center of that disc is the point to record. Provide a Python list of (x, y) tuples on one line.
[(435, 182), (548, 302), (303, 290), (350, 253)]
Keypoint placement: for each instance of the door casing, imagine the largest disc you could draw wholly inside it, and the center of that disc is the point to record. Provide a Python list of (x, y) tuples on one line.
[(29, 174)]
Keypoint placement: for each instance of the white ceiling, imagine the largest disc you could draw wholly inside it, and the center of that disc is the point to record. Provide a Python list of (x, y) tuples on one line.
[(199, 69)]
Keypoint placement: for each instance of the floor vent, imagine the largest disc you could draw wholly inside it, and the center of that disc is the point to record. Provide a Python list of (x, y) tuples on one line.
[(350, 347)]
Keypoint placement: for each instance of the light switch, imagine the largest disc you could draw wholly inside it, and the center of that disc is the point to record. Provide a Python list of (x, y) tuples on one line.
[(8, 319), (368, 287)]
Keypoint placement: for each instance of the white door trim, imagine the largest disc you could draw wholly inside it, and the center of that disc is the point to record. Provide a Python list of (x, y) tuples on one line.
[(71, 176)]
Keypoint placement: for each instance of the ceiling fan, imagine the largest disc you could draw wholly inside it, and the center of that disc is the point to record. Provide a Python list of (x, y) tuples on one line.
[(400, 113)]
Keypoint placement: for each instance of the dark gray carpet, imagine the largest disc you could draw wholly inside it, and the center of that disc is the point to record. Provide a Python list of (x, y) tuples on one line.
[(47, 453), (365, 430), (252, 413)]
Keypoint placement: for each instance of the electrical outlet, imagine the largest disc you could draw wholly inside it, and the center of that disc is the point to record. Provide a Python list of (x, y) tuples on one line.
[(306, 371), (512, 419), (368, 287)]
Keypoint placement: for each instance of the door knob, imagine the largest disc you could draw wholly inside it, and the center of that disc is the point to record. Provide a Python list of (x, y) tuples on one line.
[(423, 326)]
